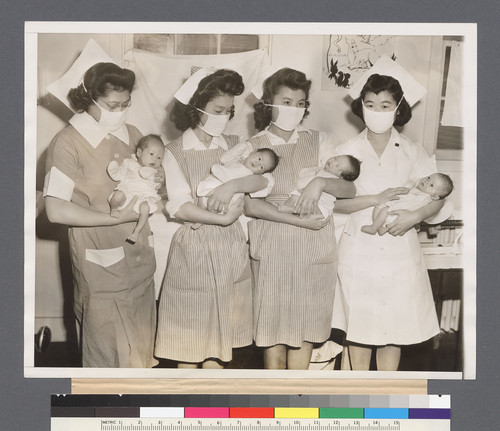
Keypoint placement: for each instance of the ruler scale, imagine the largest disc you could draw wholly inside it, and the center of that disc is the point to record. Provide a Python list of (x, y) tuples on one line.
[(232, 413)]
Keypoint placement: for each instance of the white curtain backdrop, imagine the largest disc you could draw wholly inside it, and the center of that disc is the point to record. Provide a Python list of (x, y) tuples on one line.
[(158, 77)]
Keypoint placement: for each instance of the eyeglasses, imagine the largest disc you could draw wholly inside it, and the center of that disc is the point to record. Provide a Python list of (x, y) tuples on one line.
[(113, 107)]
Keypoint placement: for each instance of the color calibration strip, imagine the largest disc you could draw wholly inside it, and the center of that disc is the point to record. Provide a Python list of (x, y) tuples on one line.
[(290, 407)]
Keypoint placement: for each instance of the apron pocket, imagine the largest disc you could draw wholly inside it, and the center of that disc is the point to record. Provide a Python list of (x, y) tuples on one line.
[(106, 257), (106, 271)]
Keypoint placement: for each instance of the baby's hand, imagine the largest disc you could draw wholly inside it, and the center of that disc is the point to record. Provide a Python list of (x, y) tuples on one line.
[(147, 172)]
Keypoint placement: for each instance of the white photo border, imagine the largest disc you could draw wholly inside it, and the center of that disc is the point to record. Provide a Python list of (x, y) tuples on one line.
[(469, 31)]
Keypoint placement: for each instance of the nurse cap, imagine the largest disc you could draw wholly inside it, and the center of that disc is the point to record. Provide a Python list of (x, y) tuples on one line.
[(413, 90), (186, 91), (90, 55)]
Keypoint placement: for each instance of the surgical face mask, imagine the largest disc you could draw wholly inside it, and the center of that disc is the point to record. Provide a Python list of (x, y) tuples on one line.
[(111, 121), (215, 124), (289, 117), (379, 121)]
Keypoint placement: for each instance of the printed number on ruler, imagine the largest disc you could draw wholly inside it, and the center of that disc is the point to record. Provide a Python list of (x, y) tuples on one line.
[(251, 425), (176, 424)]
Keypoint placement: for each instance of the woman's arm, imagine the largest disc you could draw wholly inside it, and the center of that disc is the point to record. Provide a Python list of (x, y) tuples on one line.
[(191, 213), (405, 220), (218, 200), (361, 202), (69, 213), (308, 199), (259, 208)]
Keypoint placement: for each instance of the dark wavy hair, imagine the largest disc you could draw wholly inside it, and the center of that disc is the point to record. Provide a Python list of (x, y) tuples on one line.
[(377, 83), (354, 169), (98, 81), (447, 186), (221, 82), (275, 158), (285, 77)]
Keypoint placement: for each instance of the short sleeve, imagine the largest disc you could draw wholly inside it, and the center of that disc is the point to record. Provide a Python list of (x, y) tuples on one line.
[(115, 170), (61, 167), (327, 147), (178, 189), (423, 164), (239, 151)]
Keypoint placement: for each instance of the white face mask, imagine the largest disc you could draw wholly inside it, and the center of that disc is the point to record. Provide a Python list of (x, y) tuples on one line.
[(215, 124), (289, 117), (111, 121), (379, 122)]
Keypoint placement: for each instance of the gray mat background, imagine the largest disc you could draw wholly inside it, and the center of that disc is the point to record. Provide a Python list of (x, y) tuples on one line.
[(25, 403)]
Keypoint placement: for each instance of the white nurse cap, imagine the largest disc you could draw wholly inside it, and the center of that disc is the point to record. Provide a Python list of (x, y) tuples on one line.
[(265, 72), (90, 55), (413, 90), (186, 91)]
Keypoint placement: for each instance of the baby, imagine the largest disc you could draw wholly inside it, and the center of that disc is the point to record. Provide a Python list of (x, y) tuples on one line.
[(345, 167), (434, 187), (238, 162), (137, 178)]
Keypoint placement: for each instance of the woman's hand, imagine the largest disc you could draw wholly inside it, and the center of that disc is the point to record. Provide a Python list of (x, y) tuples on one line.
[(234, 211), (218, 200), (390, 195), (404, 221), (159, 179), (313, 222), (307, 203)]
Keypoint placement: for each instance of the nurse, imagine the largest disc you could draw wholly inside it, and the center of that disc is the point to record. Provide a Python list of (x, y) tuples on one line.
[(294, 256), (114, 291), (384, 297), (205, 305)]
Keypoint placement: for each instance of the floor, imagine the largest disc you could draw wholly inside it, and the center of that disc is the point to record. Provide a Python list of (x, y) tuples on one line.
[(437, 354)]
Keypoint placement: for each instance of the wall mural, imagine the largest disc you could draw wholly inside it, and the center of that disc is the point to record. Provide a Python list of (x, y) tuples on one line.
[(346, 57)]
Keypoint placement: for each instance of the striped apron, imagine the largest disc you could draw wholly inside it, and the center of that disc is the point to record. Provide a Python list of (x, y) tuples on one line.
[(205, 305), (294, 268)]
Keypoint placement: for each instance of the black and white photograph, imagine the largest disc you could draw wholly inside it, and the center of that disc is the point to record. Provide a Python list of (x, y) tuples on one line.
[(250, 200)]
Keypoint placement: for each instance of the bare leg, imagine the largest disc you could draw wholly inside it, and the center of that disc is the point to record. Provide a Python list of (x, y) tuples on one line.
[(378, 216), (116, 200), (275, 357), (288, 205), (299, 359), (388, 358), (143, 219), (360, 357), (190, 365), (213, 364)]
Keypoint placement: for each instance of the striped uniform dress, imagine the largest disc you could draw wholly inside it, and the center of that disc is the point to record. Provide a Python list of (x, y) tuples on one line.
[(294, 268), (205, 305)]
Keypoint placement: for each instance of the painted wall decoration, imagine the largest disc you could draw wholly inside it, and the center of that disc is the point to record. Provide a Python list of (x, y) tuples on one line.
[(346, 57)]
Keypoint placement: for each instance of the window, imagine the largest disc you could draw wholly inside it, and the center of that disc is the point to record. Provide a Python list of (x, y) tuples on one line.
[(196, 44), (449, 137)]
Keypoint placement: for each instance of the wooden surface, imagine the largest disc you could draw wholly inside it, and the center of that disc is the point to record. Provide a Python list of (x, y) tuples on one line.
[(248, 386)]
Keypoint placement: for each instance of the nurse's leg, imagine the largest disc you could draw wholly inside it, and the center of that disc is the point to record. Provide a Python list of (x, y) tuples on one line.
[(187, 365), (275, 357), (360, 357), (212, 364), (299, 359), (388, 358)]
